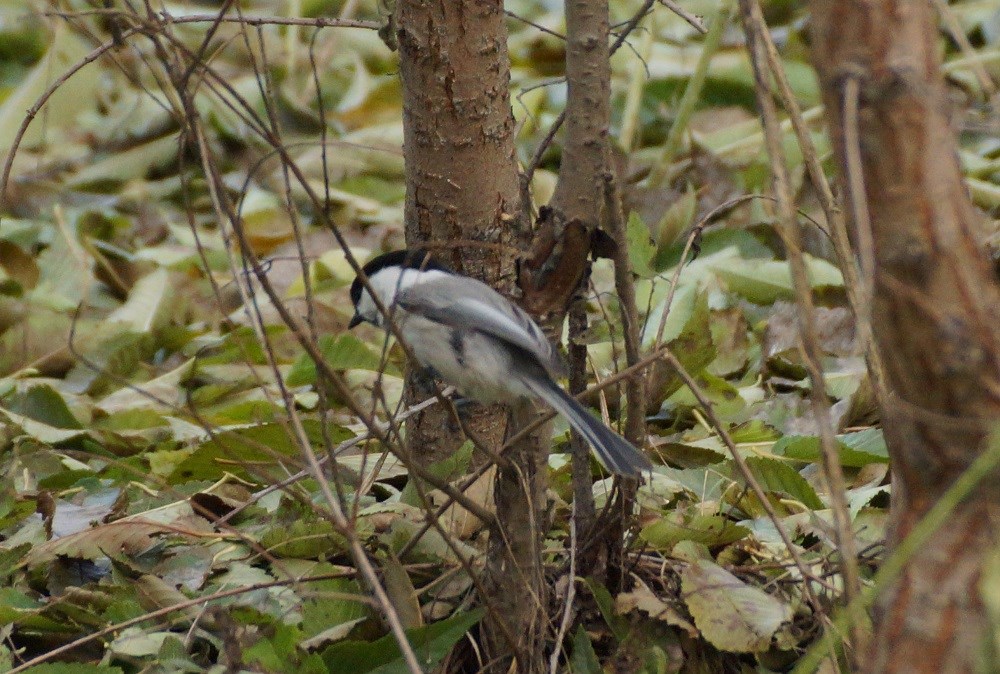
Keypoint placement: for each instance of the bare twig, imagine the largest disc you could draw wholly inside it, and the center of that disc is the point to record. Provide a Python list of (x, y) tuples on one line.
[(856, 195), (636, 86), (788, 229), (694, 20), (986, 82), (635, 426), (690, 97), (536, 157), (165, 611), (584, 510), (567, 616), (859, 286), (746, 474), (533, 24), (33, 111), (693, 236)]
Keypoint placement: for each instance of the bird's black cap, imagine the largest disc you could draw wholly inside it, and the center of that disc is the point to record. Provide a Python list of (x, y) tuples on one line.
[(408, 259)]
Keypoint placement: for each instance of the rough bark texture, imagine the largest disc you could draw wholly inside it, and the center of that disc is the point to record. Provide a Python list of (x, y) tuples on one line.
[(550, 278), (461, 173), (514, 630), (936, 309), (462, 191)]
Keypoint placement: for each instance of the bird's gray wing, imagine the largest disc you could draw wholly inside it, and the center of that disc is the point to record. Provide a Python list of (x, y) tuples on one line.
[(462, 302)]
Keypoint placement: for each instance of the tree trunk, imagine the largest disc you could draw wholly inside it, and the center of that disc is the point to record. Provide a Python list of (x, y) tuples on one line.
[(936, 311), (462, 192), (559, 259), (461, 172)]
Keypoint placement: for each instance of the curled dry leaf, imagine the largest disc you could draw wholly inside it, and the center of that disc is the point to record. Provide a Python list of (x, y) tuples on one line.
[(643, 599)]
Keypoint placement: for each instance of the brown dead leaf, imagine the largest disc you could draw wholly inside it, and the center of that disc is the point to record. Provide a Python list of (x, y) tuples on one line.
[(643, 599)]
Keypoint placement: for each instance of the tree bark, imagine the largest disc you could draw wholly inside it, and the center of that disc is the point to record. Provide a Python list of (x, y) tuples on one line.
[(462, 192), (559, 256), (551, 277), (936, 309), (461, 172)]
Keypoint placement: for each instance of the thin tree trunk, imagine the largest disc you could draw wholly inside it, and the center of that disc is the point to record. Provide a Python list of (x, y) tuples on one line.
[(936, 310), (462, 191), (550, 278), (461, 172)]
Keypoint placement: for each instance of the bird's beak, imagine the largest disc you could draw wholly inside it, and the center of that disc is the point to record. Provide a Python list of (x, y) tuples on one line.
[(356, 320)]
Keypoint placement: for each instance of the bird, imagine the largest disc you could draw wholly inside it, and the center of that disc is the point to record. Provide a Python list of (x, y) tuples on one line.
[(470, 336)]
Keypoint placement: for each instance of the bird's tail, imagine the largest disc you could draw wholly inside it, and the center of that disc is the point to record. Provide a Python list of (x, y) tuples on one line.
[(616, 453)]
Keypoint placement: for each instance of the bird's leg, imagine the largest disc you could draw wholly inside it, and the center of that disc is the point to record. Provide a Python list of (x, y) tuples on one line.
[(423, 380), (464, 407)]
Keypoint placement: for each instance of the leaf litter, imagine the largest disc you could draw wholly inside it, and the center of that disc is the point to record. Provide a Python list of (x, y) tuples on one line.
[(130, 369)]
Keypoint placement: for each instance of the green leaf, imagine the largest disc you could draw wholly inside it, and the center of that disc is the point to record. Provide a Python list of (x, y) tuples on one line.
[(584, 659), (341, 352), (682, 306), (765, 282), (430, 643), (137, 642), (711, 530), (777, 476), (718, 246), (247, 451), (150, 303), (65, 105), (725, 397), (641, 248), (677, 220), (689, 455), (400, 591), (120, 167), (44, 404), (327, 607), (856, 449), (166, 388), (276, 653), (17, 608), (115, 352), (693, 347), (44, 433), (618, 624), (432, 546), (304, 540)]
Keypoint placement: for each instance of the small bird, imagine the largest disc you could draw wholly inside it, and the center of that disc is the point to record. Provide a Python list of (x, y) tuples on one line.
[(472, 337)]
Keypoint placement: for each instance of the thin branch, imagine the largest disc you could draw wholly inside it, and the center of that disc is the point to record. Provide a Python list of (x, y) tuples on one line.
[(788, 230), (690, 97), (856, 193), (693, 236), (635, 424), (859, 286), (167, 610), (746, 474), (31, 112), (536, 157), (957, 33), (540, 27), (567, 616), (694, 20), (166, 17)]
